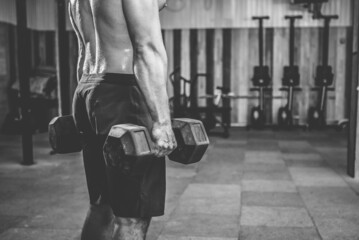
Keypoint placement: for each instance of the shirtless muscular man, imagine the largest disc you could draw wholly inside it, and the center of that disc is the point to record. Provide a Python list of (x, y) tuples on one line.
[(122, 70)]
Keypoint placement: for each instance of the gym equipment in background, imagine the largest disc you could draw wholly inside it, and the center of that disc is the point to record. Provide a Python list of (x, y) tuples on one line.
[(261, 80), (324, 79), (187, 105), (290, 80)]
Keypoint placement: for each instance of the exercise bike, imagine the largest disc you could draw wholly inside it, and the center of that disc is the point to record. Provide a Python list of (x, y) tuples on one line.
[(261, 80), (324, 79), (290, 80)]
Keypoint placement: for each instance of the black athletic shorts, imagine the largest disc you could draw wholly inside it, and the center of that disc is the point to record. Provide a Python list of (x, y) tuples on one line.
[(101, 101)]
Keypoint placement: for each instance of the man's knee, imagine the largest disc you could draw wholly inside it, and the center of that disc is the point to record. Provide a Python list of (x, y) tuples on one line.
[(102, 213)]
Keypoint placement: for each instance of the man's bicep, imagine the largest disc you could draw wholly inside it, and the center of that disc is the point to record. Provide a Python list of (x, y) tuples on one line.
[(143, 23)]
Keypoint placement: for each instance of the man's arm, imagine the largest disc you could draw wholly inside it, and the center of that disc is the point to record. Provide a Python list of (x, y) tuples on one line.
[(150, 66), (81, 47)]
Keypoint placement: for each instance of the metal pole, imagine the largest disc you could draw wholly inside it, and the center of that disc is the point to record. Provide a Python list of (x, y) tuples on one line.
[(291, 42), (23, 58), (62, 47), (260, 40)]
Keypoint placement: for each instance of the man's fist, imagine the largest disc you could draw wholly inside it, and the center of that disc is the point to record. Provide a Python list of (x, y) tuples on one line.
[(163, 138)]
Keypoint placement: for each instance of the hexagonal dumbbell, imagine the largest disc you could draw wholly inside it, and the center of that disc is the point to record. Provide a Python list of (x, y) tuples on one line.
[(128, 140), (63, 135)]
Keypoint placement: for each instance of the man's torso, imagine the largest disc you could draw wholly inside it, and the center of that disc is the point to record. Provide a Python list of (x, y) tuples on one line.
[(101, 27)]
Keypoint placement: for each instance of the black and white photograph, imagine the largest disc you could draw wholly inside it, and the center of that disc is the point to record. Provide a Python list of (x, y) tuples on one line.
[(179, 120)]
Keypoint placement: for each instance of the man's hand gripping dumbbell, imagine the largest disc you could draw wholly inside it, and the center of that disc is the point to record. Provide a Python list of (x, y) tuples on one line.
[(132, 140)]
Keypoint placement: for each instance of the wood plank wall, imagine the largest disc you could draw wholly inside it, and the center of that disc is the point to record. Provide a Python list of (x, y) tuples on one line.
[(184, 14), (244, 56)]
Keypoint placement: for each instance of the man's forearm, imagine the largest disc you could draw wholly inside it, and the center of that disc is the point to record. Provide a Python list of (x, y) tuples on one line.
[(150, 67), (80, 63)]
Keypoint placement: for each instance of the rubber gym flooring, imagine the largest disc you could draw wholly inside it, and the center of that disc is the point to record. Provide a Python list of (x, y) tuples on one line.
[(256, 185)]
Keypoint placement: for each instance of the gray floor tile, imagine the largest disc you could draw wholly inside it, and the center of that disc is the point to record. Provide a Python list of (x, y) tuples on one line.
[(272, 199), (224, 173), (268, 186), (316, 176), (7, 222), (308, 157), (338, 228), (278, 233), (264, 167), (167, 237), (213, 206), (39, 234), (275, 217), (202, 225), (282, 175), (217, 191)]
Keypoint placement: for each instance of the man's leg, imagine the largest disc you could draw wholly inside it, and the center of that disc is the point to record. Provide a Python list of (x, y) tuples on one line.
[(99, 223), (131, 228)]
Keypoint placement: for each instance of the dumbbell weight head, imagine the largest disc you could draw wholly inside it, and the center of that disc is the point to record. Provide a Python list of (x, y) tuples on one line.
[(63, 135), (126, 140), (192, 141)]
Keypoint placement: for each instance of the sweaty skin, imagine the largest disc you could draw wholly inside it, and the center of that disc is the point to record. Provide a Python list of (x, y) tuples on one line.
[(124, 36)]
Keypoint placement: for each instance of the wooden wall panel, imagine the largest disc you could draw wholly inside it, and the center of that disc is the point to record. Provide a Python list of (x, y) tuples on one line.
[(268, 60), (185, 57), (308, 60), (241, 73), (218, 53), (297, 100), (253, 60), (340, 73), (201, 51), (7, 11), (238, 13), (333, 45), (41, 14), (196, 13), (280, 59)]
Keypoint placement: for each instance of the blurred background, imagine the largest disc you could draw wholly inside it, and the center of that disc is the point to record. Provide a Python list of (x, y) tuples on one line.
[(275, 83)]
